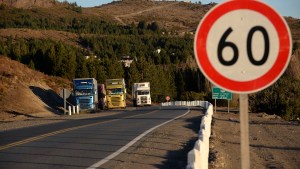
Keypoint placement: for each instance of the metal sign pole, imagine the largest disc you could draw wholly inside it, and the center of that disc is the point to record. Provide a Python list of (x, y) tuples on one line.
[(228, 106), (244, 126), (215, 105), (65, 104)]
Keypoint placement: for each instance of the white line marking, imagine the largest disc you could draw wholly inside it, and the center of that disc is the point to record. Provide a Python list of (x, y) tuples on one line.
[(113, 155)]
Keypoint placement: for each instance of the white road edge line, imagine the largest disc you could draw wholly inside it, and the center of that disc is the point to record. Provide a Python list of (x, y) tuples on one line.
[(113, 155)]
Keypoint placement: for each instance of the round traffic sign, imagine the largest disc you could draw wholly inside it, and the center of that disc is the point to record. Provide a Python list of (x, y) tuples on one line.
[(168, 98), (242, 46)]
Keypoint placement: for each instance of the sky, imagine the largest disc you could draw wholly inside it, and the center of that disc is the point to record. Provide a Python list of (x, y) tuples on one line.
[(284, 7)]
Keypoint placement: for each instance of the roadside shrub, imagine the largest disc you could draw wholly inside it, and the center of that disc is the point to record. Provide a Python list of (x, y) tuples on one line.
[(282, 98), (191, 96)]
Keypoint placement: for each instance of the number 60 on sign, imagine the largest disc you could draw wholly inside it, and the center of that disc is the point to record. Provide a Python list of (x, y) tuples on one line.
[(242, 46)]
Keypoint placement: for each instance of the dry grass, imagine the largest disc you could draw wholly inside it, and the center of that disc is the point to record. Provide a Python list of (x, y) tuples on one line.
[(179, 16), (66, 37), (24, 91), (29, 3), (176, 16), (13, 73)]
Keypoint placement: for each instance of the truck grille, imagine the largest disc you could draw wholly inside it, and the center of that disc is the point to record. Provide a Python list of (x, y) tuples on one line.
[(85, 106), (115, 99), (116, 104), (84, 101)]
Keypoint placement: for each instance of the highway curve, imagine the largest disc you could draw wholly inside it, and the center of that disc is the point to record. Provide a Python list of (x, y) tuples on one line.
[(85, 143)]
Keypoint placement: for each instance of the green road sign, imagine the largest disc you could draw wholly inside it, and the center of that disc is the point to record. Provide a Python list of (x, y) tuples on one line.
[(218, 93)]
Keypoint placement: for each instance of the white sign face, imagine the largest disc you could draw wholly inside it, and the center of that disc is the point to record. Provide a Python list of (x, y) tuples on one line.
[(242, 46), (67, 93), (244, 70)]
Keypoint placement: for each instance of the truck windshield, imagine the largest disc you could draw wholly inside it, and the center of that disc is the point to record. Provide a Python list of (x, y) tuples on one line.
[(143, 92), (115, 91), (83, 92)]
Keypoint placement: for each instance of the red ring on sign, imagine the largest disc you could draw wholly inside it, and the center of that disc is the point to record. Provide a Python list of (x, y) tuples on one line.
[(246, 86)]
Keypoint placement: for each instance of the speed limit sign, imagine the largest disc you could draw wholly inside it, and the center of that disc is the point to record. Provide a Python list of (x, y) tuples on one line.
[(242, 46), (168, 98)]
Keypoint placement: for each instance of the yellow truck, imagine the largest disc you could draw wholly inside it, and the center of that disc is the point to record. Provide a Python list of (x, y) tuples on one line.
[(115, 93)]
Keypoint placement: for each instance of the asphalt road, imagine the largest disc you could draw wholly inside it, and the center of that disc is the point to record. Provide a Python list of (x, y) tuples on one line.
[(84, 143)]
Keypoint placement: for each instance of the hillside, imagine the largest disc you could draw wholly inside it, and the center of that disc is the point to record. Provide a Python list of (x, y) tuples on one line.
[(176, 16), (27, 93), (180, 17), (66, 37), (29, 3)]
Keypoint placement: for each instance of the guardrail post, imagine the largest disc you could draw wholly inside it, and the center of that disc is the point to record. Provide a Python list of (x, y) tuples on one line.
[(73, 110), (77, 109), (70, 111)]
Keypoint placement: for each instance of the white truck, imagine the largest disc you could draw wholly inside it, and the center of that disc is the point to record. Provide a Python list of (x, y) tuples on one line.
[(141, 94)]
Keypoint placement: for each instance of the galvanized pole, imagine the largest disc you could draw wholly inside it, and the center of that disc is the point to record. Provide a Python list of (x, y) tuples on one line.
[(228, 105), (65, 103), (215, 105), (244, 126)]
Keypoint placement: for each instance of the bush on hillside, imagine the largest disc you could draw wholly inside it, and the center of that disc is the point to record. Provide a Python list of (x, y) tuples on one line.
[(282, 98)]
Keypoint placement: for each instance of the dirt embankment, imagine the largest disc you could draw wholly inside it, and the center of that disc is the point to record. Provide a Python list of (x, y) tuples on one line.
[(274, 143), (25, 92)]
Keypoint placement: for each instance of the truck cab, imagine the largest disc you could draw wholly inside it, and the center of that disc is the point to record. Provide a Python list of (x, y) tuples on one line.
[(85, 93), (141, 94), (116, 93)]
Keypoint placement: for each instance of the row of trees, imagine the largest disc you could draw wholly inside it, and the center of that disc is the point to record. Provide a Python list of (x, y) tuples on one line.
[(281, 99), (59, 59), (160, 49)]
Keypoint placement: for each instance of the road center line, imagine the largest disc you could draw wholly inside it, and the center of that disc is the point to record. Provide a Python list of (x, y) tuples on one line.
[(61, 131), (122, 149)]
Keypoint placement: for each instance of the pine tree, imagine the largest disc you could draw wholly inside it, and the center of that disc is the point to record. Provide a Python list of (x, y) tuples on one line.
[(180, 84), (114, 68), (81, 68), (133, 75)]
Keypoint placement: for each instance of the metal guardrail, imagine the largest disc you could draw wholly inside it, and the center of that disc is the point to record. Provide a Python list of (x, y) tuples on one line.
[(198, 156), (199, 103)]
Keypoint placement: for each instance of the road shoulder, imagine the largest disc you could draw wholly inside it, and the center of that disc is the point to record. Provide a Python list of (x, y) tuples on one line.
[(162, 148), (274, 142)]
